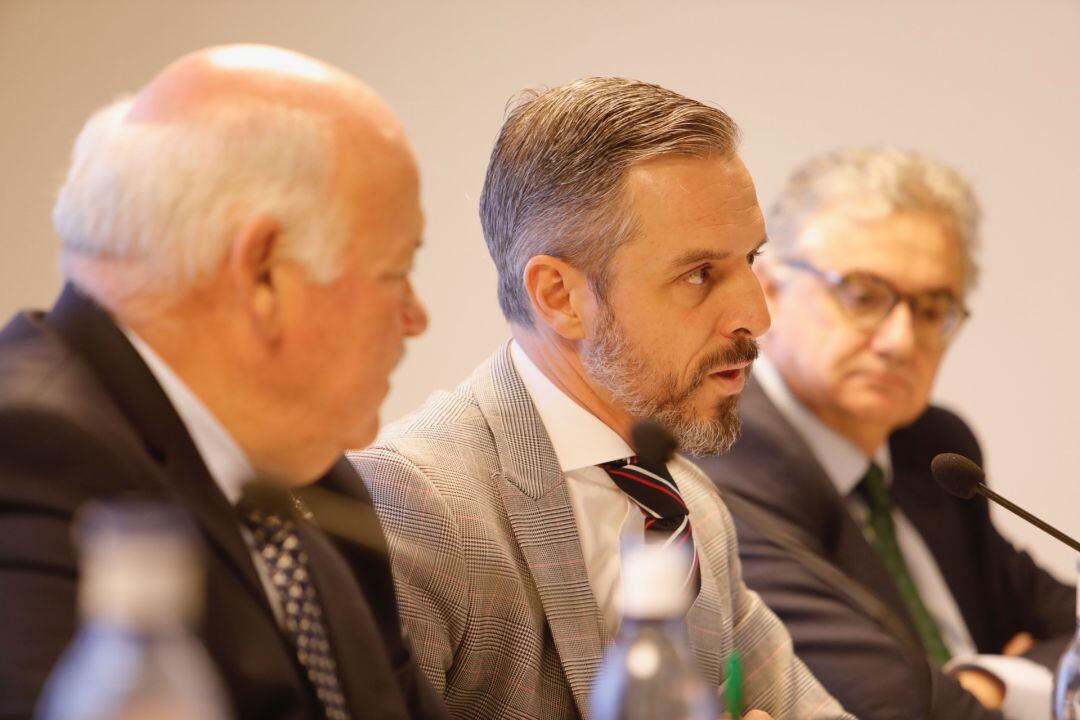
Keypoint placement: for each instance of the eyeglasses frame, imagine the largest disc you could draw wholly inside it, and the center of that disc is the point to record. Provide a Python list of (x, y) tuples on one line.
[(836, 279)]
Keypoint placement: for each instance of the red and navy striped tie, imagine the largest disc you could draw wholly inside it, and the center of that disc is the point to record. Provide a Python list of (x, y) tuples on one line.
[(667, 518)]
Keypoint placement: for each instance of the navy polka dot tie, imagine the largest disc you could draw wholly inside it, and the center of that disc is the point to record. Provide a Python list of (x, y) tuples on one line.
[(277, 542)]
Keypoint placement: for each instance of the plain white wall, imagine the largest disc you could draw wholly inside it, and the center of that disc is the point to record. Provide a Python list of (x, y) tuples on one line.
[(989, 85)]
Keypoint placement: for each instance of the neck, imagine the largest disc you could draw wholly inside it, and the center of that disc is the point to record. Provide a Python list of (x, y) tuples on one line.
[(560, 361), (867, 437), (216, 375)]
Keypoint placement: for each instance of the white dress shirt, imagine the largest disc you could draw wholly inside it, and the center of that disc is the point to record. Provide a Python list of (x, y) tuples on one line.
[(604, 514), (1028, 684), (223, 457)]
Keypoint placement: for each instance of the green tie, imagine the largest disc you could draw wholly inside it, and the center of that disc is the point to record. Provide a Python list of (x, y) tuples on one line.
[(883, 535)]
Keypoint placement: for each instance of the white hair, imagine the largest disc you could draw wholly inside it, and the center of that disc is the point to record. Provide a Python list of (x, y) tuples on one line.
[(877, 182), (172, 197)]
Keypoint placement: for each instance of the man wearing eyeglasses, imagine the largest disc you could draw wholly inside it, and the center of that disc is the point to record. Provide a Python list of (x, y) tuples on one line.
[(905, 602)]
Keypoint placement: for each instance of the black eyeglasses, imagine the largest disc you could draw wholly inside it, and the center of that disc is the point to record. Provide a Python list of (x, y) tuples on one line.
[(868, 299)]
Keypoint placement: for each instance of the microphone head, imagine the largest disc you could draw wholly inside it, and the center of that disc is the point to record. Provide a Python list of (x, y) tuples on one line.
[(652, 442), (957, 474)]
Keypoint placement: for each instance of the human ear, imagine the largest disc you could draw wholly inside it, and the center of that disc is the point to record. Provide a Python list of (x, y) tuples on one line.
[(558, 293), (252, 268)]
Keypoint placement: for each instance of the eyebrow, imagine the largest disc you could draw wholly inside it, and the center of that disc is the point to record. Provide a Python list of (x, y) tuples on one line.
[(936, 290), (691, 257)]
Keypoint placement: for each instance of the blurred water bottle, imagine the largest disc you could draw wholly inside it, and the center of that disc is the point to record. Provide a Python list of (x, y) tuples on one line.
[(650, 672), (134, 656), (1067, 679)]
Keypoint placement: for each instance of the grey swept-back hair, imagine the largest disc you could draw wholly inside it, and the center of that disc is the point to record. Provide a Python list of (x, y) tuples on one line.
[(874, 182), (554, 185)]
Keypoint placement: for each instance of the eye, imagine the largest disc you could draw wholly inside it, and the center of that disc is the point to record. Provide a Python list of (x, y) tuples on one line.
[(751, 257), (699, 276), (862, 294), (934, 309), (863, 298)]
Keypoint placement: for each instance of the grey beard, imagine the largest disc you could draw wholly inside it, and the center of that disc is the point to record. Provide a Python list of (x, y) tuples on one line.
[(648, 393)]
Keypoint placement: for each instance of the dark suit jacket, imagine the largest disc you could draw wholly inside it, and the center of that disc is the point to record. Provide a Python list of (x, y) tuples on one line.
[(82, 417), (999, 590)]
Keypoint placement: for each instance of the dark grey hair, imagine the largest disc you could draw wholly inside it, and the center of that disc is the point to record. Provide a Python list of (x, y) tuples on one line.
[(872, 183), (554, 185)]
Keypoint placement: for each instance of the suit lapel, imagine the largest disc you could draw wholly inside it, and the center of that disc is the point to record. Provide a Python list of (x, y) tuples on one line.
[(810, 500), (710, 617), (91, 333), (536, 501)]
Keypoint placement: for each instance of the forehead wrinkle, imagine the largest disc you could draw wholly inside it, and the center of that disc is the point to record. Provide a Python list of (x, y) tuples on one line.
[(725, 218)]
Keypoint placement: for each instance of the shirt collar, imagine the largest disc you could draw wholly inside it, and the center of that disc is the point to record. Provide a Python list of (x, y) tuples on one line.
[(227, 463), (843, 462), (580, 439)]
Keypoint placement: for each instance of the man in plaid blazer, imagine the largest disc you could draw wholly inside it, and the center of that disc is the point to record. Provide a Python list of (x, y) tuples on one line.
[(624, 228)]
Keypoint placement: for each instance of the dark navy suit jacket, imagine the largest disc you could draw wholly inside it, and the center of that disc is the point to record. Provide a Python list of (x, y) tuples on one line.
[(1000, 591), (82, 418)]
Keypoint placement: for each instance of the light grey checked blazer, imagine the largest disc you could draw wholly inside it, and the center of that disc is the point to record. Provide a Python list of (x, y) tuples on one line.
[(489, 572)]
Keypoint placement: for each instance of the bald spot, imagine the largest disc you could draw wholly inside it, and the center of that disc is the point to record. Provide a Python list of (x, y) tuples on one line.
[(374, 166), (232, 75)]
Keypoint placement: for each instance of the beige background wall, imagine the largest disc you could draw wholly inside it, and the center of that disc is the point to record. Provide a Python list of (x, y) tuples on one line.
[(990, 85)]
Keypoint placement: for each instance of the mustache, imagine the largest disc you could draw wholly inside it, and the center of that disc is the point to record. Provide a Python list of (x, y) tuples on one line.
[(741, 350)]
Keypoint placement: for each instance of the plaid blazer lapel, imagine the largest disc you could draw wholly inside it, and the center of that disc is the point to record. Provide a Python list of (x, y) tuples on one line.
[(709, 619), (538, 507)]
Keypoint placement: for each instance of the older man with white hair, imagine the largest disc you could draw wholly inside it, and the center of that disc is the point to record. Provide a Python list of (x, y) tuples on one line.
[(905, 601), (237, 241)]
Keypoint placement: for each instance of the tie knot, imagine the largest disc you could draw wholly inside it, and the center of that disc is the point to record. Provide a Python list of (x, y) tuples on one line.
[(264, 506), (635, 462), (651, 486), (874, 489)]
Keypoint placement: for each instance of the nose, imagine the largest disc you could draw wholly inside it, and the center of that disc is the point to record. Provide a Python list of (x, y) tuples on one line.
[(414, 314), (895, 337), (751, 316)]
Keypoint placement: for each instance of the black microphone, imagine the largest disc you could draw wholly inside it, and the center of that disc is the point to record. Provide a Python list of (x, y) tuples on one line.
[(652, 442), (961, 477)]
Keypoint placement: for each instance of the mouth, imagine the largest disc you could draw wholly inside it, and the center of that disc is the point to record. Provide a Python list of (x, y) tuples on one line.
[(887, 379), (732, 378)]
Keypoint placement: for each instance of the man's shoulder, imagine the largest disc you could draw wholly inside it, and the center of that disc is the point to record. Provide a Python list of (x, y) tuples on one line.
[(761, 465), (41, 377), (942, 422), (63, 438), (456, 426), (936, 430), (31, 360), (447, 441), (448, 421)]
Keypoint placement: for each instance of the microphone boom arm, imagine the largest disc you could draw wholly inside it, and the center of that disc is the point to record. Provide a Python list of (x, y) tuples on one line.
[(986, 492)]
